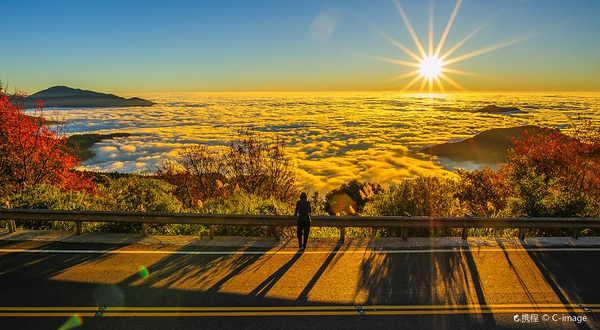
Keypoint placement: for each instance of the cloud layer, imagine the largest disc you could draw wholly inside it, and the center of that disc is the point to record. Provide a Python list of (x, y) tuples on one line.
[(334, 137)]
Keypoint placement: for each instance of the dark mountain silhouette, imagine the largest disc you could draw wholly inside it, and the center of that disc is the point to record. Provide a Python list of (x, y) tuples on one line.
[(488, 147), (501, 110), (66, 97), (81, 144)]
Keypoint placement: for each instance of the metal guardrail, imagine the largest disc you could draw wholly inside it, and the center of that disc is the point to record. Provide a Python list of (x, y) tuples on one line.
[(402, 222)]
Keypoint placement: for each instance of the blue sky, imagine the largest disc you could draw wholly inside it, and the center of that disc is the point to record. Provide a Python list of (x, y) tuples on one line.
[(164, 46)]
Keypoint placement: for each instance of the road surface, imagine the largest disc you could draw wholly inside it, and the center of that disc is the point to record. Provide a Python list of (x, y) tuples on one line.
[(61, 285)]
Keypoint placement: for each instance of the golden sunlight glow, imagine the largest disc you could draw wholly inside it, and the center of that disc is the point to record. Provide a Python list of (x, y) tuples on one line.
[(431, 67)]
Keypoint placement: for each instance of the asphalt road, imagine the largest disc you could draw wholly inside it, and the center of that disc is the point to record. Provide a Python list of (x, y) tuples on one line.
[(60, 286)]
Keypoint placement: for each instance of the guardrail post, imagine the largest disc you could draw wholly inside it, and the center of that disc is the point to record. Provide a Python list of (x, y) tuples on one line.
[(405, 234), (276, 232), (144, 229), (465, 233), (342, 234), (521, 233), (78, 228), (12, 227), (211, 231), (575, 234)]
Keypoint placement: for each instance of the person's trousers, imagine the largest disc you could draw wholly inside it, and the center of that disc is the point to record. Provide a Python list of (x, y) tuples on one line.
[(302, 231)]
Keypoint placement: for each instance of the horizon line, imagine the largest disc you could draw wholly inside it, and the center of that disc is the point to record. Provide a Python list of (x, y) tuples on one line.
[(381, 91), (533, 91)]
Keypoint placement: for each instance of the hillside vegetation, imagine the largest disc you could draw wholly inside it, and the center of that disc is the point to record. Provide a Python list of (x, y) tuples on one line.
[(546, 173)]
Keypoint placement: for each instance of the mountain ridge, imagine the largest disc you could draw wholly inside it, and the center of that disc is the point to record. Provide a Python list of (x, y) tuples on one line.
[(492, 108), (68, 97), (487, 147)]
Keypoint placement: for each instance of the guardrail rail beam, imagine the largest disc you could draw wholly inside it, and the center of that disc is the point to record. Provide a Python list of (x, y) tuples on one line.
[(400, 222)]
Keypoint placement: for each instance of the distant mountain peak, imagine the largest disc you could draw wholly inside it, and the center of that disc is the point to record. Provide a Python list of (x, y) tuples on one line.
[(67, 97), (487, 147), (61, 87), (492, 108)]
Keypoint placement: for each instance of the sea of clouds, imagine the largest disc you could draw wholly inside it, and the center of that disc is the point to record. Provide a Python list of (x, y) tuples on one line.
[(333, 137)]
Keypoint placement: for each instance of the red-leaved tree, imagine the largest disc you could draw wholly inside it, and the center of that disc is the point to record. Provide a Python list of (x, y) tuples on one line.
[(32, 153), (558, 174)]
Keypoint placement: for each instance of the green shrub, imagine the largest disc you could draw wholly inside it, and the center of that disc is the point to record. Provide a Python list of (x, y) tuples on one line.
[(50, 197), (422, 196), (244, 203), (136, 194)]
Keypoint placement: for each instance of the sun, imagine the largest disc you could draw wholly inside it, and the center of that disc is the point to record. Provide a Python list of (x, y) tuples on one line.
[(431, 67)]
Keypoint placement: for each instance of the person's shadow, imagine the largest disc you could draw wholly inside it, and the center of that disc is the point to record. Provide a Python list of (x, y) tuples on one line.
[(263, 288)]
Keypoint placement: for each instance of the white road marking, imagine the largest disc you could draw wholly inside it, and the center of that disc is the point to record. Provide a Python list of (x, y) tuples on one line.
[(364, 251)]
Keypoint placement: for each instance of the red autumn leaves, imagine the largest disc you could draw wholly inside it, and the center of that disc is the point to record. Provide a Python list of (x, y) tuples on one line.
[(572, 162), (31, 153)]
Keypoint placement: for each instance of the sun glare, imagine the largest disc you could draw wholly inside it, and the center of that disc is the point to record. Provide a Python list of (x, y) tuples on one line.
[(431, 67), (431, 64)]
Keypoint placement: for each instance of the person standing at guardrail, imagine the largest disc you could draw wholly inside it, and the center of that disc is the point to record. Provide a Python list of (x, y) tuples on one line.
[(303, 211)]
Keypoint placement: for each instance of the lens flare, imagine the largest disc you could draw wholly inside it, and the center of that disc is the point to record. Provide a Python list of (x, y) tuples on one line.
[(143, 271), (73, 322), (342, 204), (109, 295)]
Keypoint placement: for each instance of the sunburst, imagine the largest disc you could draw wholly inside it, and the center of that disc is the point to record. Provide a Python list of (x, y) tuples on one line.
[(431, 65)]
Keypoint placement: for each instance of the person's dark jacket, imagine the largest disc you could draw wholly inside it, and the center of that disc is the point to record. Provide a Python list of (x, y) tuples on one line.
[(303, 210)]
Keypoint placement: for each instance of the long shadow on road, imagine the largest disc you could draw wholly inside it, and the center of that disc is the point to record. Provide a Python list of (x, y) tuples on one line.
[(573, 278), (34, 279), (303, 297), (425, 279), (242, 279), (44, 266)]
